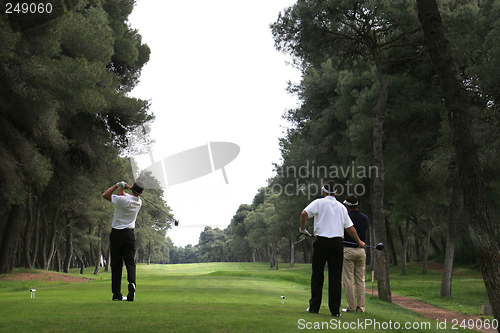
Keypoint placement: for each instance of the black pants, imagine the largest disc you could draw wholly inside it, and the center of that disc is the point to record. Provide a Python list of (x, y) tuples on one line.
[(327, 250), (122, 250)]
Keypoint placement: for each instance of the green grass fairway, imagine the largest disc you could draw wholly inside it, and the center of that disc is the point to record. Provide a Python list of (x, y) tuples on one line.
[(208, 297)]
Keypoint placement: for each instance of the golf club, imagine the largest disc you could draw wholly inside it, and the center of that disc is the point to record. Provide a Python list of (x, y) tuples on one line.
[(176, 222), (380, 246)]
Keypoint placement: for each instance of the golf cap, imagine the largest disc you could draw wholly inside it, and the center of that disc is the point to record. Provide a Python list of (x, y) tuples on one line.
[(138, 187)]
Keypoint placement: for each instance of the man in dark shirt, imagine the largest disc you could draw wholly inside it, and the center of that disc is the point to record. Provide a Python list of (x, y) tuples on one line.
[(353, 271)]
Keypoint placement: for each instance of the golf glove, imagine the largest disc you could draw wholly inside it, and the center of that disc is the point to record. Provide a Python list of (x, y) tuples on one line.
[(121, 184), (305, 232)]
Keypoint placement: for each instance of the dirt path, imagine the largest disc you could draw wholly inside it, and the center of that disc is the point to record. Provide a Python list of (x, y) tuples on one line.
[(435, 313), (43, 276)]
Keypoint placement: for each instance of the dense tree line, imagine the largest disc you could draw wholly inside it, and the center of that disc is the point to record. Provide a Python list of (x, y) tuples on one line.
[(458, 106), (66, 118), (375, 114), (398, 102)]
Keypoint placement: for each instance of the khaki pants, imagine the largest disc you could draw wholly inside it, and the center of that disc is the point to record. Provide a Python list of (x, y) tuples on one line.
[(353, 277)]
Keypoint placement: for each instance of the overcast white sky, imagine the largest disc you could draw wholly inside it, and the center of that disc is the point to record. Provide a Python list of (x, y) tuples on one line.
[(214, 75)]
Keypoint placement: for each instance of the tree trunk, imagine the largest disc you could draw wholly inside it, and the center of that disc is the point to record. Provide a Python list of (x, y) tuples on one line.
[(390, 244), (57, 261), (10, 239), (381, 263), (81, 263), (427, 245), (270, 254), (43, 246), (417, 242), (404, 243), (91, 255), (469, 168), (28, 230), (69, 246), (53, 237), (292, 253), (36, 234), (149, 250), (435, 245), (370, 251), (98, 252), (275, 254), (450, 240)]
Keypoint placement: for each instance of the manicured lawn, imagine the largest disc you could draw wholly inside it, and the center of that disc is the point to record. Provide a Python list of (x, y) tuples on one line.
[(208, 297)]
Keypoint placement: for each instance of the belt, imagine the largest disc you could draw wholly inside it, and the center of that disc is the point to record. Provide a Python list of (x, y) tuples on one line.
[(328, 237)]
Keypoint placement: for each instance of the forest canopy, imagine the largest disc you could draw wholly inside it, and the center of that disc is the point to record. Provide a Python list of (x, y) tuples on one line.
[(65, 119)]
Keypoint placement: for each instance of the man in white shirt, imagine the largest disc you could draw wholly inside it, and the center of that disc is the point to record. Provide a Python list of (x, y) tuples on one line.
[(330, 220), (122, 237)]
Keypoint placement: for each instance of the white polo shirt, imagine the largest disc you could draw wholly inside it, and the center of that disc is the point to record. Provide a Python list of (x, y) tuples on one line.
[(330, 217), (126, 209)]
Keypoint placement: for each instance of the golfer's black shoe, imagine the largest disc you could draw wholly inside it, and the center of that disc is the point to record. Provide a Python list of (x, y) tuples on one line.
[(131, 292), (120, 298), (311, 310)]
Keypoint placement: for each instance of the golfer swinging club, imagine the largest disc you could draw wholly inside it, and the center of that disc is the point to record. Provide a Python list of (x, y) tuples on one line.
[(122, 237), (330, 220)]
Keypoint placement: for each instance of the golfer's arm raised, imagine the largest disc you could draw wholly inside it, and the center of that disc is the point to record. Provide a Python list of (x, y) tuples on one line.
[(352, 232), (107, 195)]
